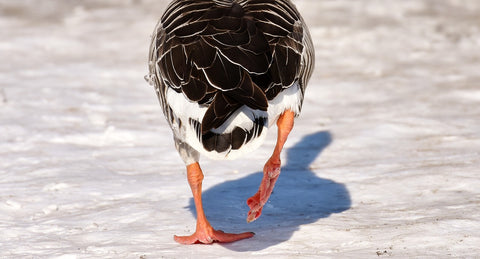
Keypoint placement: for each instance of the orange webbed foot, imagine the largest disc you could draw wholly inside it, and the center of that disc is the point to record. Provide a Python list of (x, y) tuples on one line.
[(271, 171), (209, 236)]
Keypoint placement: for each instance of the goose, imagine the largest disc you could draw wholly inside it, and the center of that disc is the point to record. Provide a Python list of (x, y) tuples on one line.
[(225, 72)]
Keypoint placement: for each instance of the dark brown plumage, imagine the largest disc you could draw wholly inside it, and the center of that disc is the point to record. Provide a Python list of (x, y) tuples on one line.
[(224, 71), (226, 55)]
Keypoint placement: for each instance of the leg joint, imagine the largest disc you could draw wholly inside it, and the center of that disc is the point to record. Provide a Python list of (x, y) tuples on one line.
[(194, 174)]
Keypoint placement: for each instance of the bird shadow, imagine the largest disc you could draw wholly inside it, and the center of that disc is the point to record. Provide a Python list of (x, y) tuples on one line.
[(300, 197)]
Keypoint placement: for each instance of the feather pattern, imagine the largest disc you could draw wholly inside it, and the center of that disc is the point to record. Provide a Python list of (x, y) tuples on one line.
[(219, 67)]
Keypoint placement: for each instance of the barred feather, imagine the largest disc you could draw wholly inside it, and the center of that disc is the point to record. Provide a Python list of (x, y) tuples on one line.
[(230, 61)]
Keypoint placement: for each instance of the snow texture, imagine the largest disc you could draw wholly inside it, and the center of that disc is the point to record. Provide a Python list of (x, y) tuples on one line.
[(384, 160)]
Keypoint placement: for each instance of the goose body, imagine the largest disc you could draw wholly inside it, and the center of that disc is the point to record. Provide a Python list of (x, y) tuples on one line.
[(225, 71)]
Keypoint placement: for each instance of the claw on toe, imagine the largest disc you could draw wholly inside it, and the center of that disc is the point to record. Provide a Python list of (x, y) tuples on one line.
[(254, 215)]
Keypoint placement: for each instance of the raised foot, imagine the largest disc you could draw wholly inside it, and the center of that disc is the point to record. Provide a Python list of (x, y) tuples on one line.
[(202, 237), (271, 171), (255, 207)]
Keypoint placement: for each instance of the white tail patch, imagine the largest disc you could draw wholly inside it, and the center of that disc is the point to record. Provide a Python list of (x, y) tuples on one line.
[(188, 112), (289, 99)]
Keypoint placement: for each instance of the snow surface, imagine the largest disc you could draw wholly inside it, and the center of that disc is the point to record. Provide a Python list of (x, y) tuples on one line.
[(384, 160)]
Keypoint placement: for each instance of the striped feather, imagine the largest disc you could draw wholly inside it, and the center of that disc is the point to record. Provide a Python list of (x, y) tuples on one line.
[(220, 66)]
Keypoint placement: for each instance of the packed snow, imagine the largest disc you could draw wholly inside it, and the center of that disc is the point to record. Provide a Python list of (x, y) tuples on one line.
[(384, 160)]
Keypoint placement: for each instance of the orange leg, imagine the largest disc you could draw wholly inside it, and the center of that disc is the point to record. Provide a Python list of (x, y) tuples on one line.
[(271, 171), (204, 232)]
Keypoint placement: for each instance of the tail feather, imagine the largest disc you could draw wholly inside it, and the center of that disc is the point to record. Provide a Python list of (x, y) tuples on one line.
[(233, 140)]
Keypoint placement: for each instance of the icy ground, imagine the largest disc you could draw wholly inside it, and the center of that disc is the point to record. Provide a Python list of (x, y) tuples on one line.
[(384, 160)]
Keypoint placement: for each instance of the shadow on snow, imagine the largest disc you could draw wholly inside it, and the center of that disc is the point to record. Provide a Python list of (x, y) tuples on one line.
[(299, 198)]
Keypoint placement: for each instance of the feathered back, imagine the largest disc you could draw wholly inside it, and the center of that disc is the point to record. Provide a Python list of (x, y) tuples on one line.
[(224, 54)]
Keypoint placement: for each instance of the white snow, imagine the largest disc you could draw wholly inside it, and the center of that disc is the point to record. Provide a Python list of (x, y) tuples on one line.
[(384, 160)]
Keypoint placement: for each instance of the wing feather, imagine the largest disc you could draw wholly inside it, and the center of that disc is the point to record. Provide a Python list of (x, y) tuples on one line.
[(224, 54)]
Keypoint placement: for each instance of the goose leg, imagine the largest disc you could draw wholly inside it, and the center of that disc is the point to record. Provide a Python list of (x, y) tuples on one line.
[(271, 170), (204, 231)]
